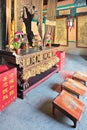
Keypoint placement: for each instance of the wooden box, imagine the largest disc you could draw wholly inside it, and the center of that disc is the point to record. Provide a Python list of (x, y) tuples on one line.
[(8, 86)]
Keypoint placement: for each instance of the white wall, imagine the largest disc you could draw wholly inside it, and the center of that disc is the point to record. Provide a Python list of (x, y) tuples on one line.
[(72, 49)]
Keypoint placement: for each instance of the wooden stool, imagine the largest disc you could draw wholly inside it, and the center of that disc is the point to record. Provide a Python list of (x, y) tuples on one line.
[(82, 77), (68, 104), (74, 87)]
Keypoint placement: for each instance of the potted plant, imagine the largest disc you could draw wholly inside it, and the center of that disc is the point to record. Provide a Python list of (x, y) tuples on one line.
[(17, 41)]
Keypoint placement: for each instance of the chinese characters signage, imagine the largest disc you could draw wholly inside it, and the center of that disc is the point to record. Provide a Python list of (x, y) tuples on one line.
[(8, 87)]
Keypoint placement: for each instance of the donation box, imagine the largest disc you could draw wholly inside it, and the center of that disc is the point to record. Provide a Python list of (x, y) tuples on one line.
[(8, 86)]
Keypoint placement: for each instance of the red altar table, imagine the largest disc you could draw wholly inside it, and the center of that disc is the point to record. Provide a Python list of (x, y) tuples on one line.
[(80, 76), (71, 106), (74, 87)]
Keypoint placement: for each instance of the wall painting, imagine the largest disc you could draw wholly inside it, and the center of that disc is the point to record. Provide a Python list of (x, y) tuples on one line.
[(81, 37), (61, 31)]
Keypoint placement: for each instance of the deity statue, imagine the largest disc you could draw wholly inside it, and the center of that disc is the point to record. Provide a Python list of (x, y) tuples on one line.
[(27, 16)]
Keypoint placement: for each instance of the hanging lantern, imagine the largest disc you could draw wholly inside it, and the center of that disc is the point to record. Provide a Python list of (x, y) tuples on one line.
[(70, 23)]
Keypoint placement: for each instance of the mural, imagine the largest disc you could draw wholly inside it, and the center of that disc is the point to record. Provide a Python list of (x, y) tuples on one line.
[(82, 31), (61, 31)]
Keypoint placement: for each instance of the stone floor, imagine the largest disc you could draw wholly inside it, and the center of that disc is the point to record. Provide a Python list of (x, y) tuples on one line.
[(35, 111)]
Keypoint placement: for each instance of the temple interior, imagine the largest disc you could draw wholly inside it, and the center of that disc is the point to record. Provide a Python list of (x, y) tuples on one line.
[(43, 64)]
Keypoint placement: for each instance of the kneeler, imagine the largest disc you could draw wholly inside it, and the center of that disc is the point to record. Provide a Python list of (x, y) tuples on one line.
[(74, 87), (69, 105), (80, 76)]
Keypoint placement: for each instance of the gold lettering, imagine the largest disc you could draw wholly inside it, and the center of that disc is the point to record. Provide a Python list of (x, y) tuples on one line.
[(5, 78), (5, 84), (11, 92), (4, 90), (11, 81), (12, 86), (5, 96)]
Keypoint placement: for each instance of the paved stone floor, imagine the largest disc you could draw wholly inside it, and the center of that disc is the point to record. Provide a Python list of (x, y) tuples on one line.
[(35, 111)]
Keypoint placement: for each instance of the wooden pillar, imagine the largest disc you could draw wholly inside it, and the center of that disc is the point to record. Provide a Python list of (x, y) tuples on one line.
[(41, 18), (2, 24), (39, 7), (15, 14), (51, 17), (8, 19)]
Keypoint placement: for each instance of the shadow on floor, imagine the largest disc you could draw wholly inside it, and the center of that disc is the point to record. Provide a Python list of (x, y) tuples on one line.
[(84, 57), (46, 108), (57, 87)]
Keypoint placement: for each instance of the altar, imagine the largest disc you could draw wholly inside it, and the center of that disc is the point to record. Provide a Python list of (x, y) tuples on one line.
[(33, 67)]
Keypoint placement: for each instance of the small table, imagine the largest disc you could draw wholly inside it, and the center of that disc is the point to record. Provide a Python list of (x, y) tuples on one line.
[(74, 86), (80, 77), (68, 104)]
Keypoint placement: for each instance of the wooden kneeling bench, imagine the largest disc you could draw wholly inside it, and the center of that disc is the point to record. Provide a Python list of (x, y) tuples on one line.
[(68, 104), (82, 77), (74, 87)]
